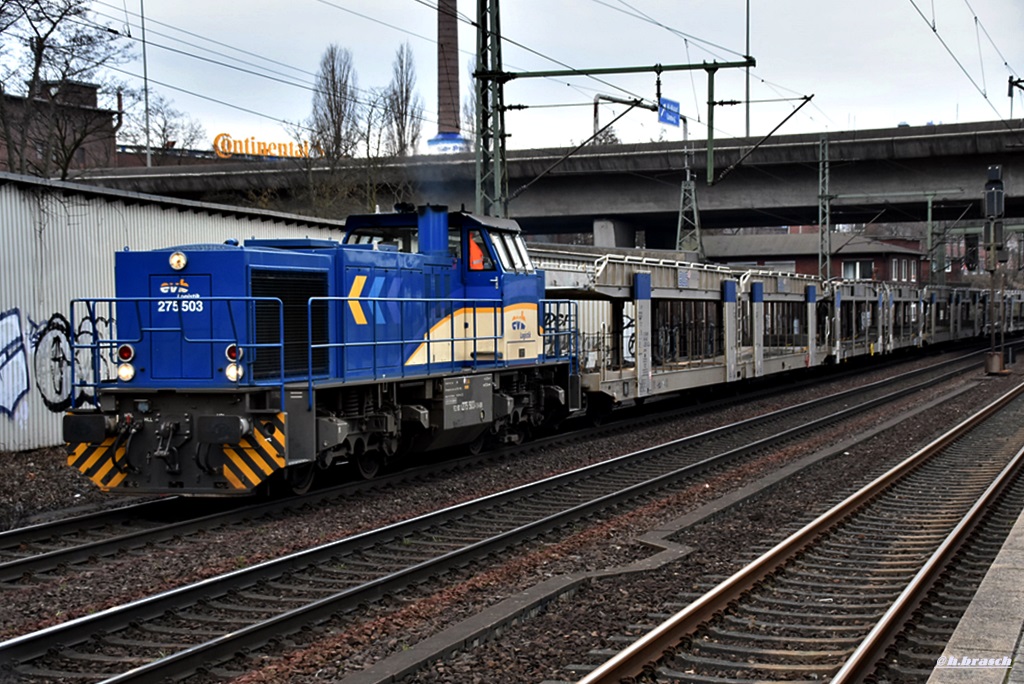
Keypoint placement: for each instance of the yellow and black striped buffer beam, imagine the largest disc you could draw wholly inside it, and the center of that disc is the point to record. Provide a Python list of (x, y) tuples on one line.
[(98, 462), (258, 455)]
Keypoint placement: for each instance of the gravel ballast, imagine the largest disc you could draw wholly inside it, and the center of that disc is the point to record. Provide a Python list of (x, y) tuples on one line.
[(40, 484)]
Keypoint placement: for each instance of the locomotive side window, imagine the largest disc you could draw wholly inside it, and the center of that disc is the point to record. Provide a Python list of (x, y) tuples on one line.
[(476, 250)]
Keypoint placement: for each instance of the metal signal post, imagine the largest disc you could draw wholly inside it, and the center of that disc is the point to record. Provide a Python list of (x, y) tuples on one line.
[(994, 206)]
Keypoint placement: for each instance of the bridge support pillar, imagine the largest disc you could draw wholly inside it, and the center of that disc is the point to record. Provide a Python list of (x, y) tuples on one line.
[(612, 233)]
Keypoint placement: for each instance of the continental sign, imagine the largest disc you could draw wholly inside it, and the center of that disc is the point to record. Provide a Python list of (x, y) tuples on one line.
[(225, 146)]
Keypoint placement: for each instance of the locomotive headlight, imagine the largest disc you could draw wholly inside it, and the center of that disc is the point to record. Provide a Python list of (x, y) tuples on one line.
[(178, 260), (234, 372), (233, 352), (125, 372)]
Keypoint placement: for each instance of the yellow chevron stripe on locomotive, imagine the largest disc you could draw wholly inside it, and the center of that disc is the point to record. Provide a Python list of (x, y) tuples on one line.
[(99, 463), (255, 458)]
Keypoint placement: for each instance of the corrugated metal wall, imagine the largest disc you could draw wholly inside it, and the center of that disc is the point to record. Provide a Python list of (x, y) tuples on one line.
[(59, 244)]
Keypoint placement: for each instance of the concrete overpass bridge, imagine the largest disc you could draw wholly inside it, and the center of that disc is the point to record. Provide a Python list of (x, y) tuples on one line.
[(885, 175)]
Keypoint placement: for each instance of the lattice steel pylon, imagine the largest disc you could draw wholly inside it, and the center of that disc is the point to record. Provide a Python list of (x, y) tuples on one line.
[(824, 213), (688, 235), (491, 174)]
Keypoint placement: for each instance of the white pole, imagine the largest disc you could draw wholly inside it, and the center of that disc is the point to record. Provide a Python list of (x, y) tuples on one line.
[(748, 68), (145, 83)]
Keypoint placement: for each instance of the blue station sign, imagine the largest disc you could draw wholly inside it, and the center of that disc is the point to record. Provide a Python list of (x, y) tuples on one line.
[(668, 112)]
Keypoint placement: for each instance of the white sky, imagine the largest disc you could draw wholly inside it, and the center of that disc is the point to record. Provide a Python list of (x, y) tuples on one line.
[(869, 63)]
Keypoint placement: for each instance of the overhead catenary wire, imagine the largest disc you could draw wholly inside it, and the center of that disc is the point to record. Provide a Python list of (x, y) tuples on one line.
[(279, 78), (636, 13), (208, 98), (254, 71), (686, 38), (981, 57), (220, 93), (251, 69), (995, 47), (935, 31), (214, 41), (274, 75), (463, 18)]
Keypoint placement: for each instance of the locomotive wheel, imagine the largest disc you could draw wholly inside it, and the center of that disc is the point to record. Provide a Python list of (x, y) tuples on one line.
[(477, 445), (300, 478), (367, 465)]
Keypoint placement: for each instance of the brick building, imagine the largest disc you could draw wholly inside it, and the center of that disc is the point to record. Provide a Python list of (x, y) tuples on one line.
[(58, 127), (854, 257)]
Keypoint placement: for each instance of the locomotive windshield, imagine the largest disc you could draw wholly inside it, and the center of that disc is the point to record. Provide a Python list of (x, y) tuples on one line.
[(511, 252)]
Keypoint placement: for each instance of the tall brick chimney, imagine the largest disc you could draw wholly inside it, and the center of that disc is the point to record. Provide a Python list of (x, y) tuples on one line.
[(447, 67), (449, 137)]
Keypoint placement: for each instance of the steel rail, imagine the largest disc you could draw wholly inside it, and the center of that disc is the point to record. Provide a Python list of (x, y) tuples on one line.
[(18, 568), (862, 661), (27, 647), (33, 533), (224, 647), (643, 654)]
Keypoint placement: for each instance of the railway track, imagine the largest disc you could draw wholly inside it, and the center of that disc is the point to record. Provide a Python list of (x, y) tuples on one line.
[(211, 621), (829, 601), (29, 553)]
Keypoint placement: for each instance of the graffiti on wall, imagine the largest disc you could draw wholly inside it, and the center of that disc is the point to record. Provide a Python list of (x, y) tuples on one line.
[(13, 362), (49, 370), (51, 360)]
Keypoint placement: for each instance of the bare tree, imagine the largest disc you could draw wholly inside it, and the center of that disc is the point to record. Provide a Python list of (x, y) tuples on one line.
[(8, 16), (607, 136), (169, 128), (376, 118), (376, 139), (403, 106), (376, 123), (335, 121), (335, 131), (56, 48)]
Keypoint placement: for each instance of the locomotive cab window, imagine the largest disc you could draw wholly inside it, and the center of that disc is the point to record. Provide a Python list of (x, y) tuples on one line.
[(512, 252), (477, 254)]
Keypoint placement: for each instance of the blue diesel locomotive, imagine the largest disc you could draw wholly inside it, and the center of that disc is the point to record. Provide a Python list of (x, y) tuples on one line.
[(234, 367)]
